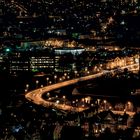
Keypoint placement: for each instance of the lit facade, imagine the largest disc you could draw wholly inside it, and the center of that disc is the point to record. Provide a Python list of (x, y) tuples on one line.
[(19, 62), (32, 62), (43, 61)]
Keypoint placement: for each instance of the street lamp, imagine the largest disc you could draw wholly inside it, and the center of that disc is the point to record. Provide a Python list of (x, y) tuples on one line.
[(55, 76), (60, 79), (65, 74), (26, 90), (63, 78), (105, 102), (27, 87), (47, 80), (86, 69), (36, 82), (75, 72), (64, 97), (110, 107), (57, 102), (73, 103)]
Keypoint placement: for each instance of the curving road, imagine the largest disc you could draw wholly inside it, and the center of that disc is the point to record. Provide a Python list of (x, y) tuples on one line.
[(36, 95), (18, 5)]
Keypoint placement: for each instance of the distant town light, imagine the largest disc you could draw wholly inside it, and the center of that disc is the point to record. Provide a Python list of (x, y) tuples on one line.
[(7, 50)]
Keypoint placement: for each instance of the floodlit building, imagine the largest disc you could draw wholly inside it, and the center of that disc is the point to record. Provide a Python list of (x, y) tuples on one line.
[(43, 60)]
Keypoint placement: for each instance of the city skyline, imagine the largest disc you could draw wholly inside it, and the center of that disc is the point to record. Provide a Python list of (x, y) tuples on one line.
[(69, 69)]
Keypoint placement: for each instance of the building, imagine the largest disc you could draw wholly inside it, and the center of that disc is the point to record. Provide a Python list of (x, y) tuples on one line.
[(73, 51), (44, 61), (19, 62), (56, 60), (31, 62)]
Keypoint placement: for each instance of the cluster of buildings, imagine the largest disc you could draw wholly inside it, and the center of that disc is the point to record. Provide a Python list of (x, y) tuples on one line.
[(43, 60), (64, 59), (98, 117), (59, 27), (79, 20)]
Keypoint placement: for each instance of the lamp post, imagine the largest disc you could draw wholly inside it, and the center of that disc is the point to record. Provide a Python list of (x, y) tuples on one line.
[(27, 87), (26, 90), (75, 72), (64, 97), (36, 83), (60, 79), (47, 80), (65, 74), (138, 62), (55, 76), (88, 72), (48, 94), (105, 102)]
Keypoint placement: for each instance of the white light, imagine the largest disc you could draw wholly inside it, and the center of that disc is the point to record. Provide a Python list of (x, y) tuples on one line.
[(57, 101), (27, 85), (64, 97), (47, 78), (136, 60)]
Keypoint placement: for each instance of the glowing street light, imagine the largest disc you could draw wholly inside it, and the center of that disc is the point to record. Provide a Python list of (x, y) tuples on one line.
[(55, 76), (75, 72), (88, 72), (60, 79), (47, 80), (57, 102), (98, 101), (48, 94), (37, 82), (50, 82), (64, 97), (105, 102), (27, 85), (65, 74), (73, 102), (86, 69), (26, 90), (110, 107)]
